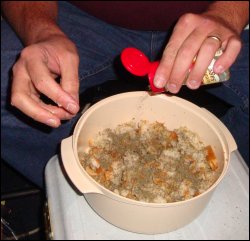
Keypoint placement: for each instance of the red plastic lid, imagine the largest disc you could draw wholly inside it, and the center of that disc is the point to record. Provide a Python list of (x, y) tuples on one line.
[(137, 63)]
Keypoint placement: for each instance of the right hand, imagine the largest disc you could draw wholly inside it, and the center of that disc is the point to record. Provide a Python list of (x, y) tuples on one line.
[(35, 72), (190, 39)]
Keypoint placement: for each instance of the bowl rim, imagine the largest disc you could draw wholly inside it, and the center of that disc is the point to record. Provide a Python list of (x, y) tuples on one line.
[(105, 191)]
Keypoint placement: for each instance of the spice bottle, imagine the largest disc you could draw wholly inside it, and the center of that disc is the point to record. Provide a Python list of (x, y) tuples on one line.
[(137, 63), (210, 77)]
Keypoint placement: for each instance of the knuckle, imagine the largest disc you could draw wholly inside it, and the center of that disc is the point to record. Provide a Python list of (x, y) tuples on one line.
[(70, 56), (75, 51), (40, 84), (210, 23), (26, 52), (65, 55), (187, 19), (15, 99), (30, 52), (75, 58), (16, 67), (74, 48), (236, 42)]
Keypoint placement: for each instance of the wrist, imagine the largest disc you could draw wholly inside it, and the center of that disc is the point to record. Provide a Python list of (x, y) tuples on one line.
[(32, 21), (41, 33), (232, 14)]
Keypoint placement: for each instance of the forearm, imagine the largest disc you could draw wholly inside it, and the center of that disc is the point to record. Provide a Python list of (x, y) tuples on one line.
[(33, 21), (235, 14)]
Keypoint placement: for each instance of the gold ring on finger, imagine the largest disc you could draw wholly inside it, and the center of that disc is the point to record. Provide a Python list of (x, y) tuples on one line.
[(216, 38)]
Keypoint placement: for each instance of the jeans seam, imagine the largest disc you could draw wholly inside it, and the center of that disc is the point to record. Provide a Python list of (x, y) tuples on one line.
[(96, 70), (237, 92), (151, 45), (230, 115)]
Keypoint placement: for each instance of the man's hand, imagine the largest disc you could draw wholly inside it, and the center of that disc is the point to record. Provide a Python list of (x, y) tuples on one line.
[(224, 20), (35, 73), (49, 54)]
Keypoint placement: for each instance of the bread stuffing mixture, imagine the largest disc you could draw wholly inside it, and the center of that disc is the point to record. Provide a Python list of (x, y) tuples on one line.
[(147, 162)]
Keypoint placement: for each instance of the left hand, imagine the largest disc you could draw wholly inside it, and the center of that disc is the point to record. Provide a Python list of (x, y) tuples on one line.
[(35, 73), (190, 38)]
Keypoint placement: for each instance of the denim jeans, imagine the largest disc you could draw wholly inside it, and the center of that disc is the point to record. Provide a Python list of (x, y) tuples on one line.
[(27, 146)]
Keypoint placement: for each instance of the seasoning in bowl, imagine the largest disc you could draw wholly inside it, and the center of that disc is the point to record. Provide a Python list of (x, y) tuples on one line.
[(147, 162)]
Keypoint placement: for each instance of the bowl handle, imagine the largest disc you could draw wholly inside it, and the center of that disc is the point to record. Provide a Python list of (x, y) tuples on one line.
[(232, 146), (78, 178)]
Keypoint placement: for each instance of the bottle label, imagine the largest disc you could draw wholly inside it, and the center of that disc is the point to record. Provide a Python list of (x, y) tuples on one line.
[(210, 77)]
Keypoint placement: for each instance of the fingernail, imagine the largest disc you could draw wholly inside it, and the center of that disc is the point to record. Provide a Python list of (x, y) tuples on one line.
[(72, 108), (159, 82), (193, 83), (172, 87), (219, 69), (52, 122)]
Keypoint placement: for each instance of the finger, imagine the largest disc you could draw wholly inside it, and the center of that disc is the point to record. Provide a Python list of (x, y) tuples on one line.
[(204, 58), (57, 111), (22, 86), (69, 75), (181, 31), (229, 56), (31, 108), (185, 56), (43, 81), (25, 101)]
